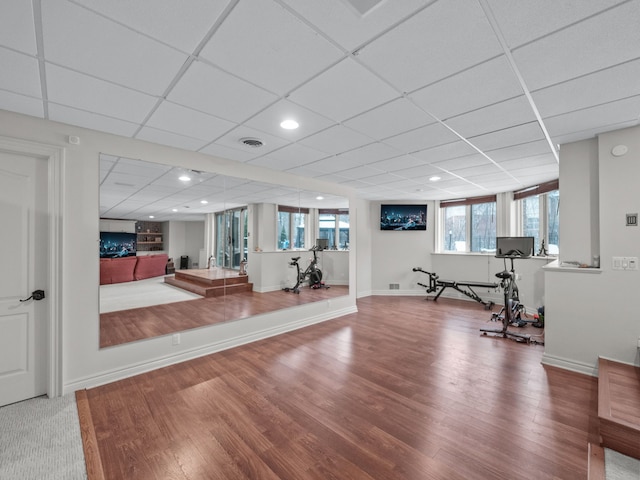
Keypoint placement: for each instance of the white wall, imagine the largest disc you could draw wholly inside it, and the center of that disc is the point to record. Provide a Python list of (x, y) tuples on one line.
[(594, 313), (83, 363)]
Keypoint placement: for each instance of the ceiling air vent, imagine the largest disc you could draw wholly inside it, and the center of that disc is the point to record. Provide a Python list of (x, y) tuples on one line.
[(252, 142)]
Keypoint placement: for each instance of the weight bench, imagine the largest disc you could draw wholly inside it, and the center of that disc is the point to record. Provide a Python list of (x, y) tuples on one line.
[(464, 287)]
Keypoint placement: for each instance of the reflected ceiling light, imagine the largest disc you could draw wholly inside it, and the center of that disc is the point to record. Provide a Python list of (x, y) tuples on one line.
[(289, 124), (184, 178), (435, 178), (204, 202), (151, 216), (174, 209), (319, 197)]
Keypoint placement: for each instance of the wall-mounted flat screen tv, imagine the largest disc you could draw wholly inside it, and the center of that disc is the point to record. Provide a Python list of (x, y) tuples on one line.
[(403, 217), (117, 244), (514, 247)]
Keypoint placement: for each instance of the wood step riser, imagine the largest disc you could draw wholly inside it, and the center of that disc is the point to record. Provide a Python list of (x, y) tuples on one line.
[(208, 291), (216, 282)]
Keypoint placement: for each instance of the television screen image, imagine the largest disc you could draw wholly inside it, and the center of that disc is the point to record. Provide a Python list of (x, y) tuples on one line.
[(117, 244), (403, 217), (514, 247)]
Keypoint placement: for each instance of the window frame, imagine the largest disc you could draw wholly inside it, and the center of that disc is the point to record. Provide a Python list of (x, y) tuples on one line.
[(337, 213), (292, 226), (542, 191), (467, 203)]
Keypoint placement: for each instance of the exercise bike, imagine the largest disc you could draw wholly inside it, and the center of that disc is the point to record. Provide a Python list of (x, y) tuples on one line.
[(511, 313), (312, 272)]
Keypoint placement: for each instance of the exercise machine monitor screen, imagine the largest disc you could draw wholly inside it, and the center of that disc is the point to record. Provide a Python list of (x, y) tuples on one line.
[(514, 247)]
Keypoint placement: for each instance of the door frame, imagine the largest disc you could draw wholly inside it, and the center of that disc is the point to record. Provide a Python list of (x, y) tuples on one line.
[(55, 158)]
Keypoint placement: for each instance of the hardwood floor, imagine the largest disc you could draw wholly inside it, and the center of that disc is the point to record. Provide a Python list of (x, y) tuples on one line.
[(403, 389), (139, 323)]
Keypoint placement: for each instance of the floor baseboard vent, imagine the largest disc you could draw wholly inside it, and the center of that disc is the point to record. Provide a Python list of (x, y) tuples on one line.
[(394, 286)]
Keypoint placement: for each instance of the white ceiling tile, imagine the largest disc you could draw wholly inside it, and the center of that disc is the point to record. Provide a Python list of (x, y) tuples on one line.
[(20, 73), (288, 157), (454, 164), (437, 36), (419, 172), (185, 121), (521, 22), (287, 53), (140, 168), (422, 138), (269, 120), (600, 87), (347, 27), (83, 92), (81, 118), (166, 20), (528, 132), (343, 91), (371, 153), (228, 153), (445, 152), (397, 163), (170, 139), (478, 169), (336, 139), (390, 119), (210, 90), (529, 162), (519, 151), (488, 83), (270, 142), (21, 104), (17, 28), (594, 117), (359, 173), (116, 53), (516, 111), (598, 42), (335, 163), (306, 171)]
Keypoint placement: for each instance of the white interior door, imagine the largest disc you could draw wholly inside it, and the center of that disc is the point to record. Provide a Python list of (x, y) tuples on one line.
[(24, 264)]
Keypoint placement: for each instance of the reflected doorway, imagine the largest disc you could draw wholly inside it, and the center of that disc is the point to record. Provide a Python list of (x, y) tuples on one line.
[(231, 237)]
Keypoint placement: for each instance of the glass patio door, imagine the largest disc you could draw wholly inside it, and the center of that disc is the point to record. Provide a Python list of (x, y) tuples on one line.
[(231, 237)]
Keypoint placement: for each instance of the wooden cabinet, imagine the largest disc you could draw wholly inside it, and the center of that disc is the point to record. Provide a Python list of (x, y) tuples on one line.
[(110, 225)]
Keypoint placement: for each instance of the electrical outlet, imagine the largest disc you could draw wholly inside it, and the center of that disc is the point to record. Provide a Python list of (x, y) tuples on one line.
[(175, 339)]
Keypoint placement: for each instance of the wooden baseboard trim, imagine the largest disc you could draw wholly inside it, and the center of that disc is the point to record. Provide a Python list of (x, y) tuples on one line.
[(89, 442)]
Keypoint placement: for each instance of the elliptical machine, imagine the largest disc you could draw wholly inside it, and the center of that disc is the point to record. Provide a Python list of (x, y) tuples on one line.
[(312, 272)]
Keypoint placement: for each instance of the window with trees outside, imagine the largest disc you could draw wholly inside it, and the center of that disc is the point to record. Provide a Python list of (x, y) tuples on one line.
[(469, 225), (334, 226), (538, 215), (291, 227)]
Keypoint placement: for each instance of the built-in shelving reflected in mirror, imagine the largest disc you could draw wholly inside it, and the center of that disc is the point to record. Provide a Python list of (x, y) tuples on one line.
[(183, 249)]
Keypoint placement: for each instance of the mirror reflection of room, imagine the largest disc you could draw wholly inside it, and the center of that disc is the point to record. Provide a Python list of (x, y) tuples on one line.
[(181, 248)]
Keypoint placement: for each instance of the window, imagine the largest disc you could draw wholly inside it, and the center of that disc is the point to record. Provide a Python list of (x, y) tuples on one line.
[(334, 226), (291, 227), (469, 225), (538, 213)]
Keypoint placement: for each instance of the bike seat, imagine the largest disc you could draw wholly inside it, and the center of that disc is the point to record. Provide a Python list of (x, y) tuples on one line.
[(504, 274), (295, 259)]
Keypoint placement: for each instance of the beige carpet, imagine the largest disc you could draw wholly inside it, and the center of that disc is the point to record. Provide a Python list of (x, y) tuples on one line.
[(141, 293), (620, 467), (41, 440)]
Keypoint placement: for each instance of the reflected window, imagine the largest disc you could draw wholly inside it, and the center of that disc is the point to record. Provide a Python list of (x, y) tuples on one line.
[(291, 227), (333, 225)]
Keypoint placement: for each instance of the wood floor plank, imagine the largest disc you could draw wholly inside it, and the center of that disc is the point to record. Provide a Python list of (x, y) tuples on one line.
[(403, 389)]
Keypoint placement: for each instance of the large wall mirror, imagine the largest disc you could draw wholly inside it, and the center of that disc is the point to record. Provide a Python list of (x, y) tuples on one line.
[(183, 249)]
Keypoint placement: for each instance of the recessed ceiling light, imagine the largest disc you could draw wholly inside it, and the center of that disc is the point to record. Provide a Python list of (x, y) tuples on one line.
[(204, 202), (435, 178), (289, 124), (319, 197), (184, 178), (174, 209), (151, 216)]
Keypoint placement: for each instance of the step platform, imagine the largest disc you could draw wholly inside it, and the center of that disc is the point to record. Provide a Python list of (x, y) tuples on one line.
[(209, 283), (619, 407)]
